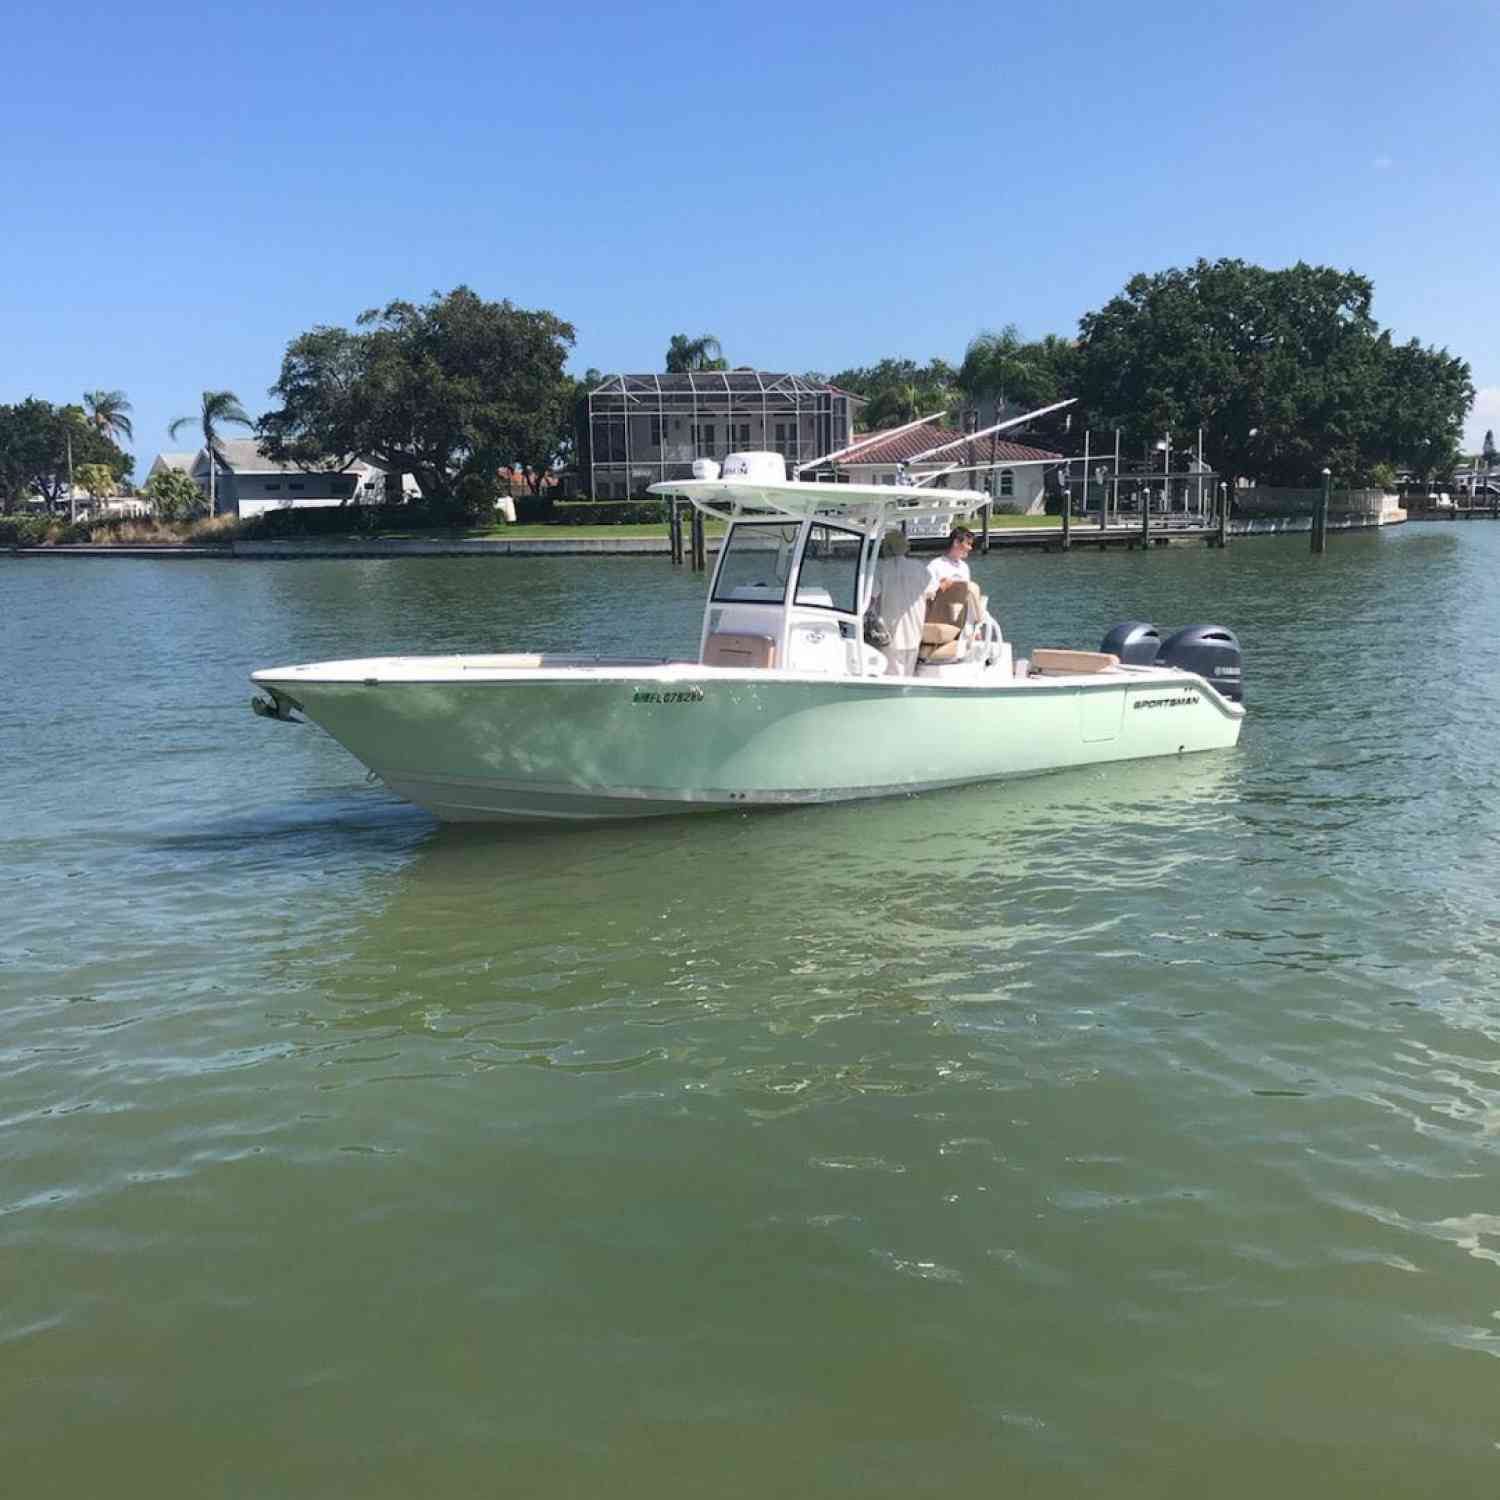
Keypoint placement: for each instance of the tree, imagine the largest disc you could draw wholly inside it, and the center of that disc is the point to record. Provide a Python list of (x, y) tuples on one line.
[(701, 353), (997, 365), (217, 409), (544, 437), (173, 496), (1053, 361), (97, 479), (1490, 455), (35, 443), (1414, 414), (449, 392), (580, 452), (26, 448), (1283, 371), (899, 390), (106, 413)]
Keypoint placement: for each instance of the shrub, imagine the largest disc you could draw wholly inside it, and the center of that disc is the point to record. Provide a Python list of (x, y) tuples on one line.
[(25, 531), (139, 531), (41, 531), (293, 524), (173, 495), (535, 510), (609, 512)]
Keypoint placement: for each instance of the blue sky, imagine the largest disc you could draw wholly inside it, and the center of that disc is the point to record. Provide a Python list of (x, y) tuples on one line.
[(187, 188)]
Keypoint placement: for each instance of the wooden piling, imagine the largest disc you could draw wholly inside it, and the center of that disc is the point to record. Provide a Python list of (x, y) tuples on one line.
[(674, 532), (1320, 516), (700, 542)]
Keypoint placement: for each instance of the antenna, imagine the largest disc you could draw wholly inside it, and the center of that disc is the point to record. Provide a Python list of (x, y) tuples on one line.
[(970, 437), (864, 442)]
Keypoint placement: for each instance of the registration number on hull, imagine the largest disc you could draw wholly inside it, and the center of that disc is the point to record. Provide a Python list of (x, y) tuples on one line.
[(668, 695)]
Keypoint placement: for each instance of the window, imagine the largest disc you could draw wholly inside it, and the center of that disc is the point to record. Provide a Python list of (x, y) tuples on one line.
[(703, 439), (656, 432), (1007, 482), (275, 486), (830, 569), (742, 432), (295, 486), (757, 559), (609, 440)]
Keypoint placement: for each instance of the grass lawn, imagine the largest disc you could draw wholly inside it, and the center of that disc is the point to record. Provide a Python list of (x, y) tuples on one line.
[(659, 530)]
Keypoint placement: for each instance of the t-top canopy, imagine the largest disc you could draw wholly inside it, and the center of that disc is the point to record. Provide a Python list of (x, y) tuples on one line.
[(730, 499)]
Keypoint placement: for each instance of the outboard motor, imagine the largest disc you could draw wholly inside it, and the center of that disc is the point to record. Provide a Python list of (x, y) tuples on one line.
[(1135, 643), (1212, 652)]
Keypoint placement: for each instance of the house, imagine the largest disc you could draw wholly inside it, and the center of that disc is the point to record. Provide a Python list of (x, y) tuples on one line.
[(646, 428), (117, 504), (181, 463), (1018, 482), (124, 505), (248, 482)]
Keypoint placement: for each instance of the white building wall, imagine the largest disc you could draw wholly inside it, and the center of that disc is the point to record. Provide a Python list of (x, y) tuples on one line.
[(1028, 486), (256, 507)]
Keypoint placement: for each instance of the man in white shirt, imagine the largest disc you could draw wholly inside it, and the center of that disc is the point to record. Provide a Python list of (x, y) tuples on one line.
[(951, 569)]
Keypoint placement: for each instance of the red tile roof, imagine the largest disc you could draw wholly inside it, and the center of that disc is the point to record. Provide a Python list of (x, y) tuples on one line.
[(905, 446)]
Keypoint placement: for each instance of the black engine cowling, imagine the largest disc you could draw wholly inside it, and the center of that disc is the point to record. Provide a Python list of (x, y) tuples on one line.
[(1212, 652), (1134, 642), (1209, 650)]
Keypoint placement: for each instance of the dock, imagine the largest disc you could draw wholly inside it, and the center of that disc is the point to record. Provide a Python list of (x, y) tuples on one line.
[(1460, 508)]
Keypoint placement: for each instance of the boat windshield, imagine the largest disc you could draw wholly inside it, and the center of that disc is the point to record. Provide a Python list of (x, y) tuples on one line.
[(829, 578), (757, 562)]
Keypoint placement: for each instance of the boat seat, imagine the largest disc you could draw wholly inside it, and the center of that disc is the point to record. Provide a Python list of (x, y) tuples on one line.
[(726, 648), (1045, 659), (948, 613)]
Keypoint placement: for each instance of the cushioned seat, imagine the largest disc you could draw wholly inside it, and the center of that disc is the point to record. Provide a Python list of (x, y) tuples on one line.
[(1047, 659), (728, 649), (949, 613)]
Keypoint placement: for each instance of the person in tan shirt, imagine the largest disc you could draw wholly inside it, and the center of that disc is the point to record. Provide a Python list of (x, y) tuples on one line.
[(901, 593)]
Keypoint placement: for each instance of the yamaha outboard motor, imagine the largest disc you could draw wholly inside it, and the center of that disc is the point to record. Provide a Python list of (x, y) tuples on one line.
[(1212, 652), (1135, 643)]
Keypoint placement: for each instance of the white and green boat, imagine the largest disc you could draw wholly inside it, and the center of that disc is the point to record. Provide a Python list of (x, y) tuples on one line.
[(786, 703)]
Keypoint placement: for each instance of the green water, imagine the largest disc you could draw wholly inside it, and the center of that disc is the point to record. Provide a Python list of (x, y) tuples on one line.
[(1128, 1132)]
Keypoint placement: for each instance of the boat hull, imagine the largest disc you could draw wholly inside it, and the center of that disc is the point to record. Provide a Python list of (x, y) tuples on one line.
[(470, 741)]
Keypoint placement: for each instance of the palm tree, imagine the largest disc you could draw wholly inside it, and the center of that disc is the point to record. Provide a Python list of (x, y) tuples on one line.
[(219, 408), (702, 353), (993, 361), (106, 414)]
